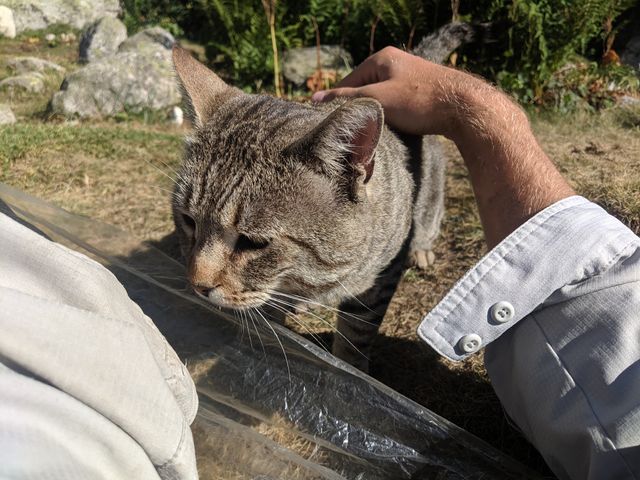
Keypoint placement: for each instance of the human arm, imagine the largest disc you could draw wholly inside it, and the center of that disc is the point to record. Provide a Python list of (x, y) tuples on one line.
[(511, 175), (565, 357)]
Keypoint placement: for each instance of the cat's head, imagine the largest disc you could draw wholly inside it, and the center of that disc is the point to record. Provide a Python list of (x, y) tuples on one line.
[(272, 195)]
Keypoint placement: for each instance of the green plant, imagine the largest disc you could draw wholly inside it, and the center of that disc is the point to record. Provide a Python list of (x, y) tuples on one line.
[(240, 39), (168, 14), (589, 85), (402, 18), (536, 38)]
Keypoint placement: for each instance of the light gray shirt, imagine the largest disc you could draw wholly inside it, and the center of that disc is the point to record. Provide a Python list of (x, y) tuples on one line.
[(557, 304), (89, 388)]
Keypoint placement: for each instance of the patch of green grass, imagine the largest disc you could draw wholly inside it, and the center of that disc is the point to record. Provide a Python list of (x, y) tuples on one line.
[(120, 174), (107, 141)]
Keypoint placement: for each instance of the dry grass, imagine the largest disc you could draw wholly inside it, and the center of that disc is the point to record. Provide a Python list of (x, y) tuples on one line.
[(104, 170)]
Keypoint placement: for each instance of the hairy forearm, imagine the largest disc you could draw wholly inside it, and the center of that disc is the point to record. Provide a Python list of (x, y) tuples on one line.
[(512, 177)]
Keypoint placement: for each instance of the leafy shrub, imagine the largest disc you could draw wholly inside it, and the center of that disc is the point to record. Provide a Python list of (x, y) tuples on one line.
[(531, 45), (588, 84), (535, 38), (167, 14)]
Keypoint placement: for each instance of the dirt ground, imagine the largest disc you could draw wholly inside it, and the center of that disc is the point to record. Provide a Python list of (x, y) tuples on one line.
[(118, 172)]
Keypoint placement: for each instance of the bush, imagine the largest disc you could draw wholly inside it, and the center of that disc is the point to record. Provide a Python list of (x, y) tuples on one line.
[(536, 38), (530, 44)]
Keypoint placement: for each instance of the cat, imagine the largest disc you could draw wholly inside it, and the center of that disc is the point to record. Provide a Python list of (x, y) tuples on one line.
[(278, 200)]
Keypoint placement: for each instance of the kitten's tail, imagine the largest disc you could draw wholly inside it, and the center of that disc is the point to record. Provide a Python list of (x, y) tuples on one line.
[(439, 45)]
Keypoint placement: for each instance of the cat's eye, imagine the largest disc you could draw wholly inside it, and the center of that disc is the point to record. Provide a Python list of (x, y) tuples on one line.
[(189, 223), (246, 243)]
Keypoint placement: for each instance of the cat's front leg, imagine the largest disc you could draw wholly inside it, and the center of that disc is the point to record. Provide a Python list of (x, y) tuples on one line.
[(360, 317)]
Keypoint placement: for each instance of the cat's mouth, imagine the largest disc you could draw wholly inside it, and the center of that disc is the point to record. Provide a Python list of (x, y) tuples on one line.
[(244, 301)]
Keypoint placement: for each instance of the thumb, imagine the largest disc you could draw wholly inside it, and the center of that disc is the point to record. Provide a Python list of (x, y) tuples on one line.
[(328, 95)]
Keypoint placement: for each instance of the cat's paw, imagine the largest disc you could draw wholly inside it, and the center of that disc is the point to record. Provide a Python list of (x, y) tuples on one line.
[(421, 259)]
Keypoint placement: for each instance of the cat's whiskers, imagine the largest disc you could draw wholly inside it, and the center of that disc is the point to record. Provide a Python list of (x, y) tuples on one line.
[(284, 353), (173, 193), (325, 322), (173, 180), (169, 167), (353, 296), (242, 314), (239, 322), (298, 298), (250, 315), (317, 339)]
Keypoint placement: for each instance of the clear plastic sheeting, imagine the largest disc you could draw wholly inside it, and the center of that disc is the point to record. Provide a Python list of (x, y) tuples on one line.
[(273, 407)]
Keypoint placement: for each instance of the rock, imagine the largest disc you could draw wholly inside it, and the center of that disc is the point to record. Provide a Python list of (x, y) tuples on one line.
[(101, 39), (631, 54), (33, 64), (155, 35), (176, 116), (68, 37), (50, 37), (7, 23), (132, 80), (298, 64), (6, 115), (40, 14), (31, 82), (629, 101)]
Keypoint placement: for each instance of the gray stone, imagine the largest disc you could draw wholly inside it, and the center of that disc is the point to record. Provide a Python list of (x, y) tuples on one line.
[(68, 37), (629, 101), (31, 82), (176, 116), (40, 14), (33, 64), (101, 39), (631, 54), (6, 115), (133, 81), (7, 23), (298, 64), (155, 35)]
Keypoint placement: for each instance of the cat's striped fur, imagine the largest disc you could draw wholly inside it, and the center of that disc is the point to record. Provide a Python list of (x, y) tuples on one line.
[(306, 200)]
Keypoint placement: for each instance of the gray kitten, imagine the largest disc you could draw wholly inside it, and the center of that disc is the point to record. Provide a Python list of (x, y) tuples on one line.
[(278, 200)]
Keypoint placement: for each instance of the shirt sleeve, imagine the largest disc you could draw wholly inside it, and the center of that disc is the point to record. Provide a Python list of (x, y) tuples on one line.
[(557, 304)]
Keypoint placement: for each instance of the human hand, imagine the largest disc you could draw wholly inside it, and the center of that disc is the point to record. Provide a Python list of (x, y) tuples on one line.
[(417, 95), (423, 98)]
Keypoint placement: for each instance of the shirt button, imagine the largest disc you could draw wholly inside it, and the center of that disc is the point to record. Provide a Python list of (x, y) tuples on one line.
[(502, 312), (470, 343)]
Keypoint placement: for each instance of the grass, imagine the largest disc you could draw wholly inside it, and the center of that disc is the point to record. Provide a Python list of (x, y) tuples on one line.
[(116, 172)]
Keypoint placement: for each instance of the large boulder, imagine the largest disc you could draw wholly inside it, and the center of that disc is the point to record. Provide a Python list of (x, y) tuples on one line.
[(6, 115), (298, 64), (7, 23), (155, 36), (132, 80), (40, 14), (101, 39), (33, 64), (31, 82)]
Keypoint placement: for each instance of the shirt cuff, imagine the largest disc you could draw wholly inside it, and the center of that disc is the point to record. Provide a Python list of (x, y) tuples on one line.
[(567, 242)]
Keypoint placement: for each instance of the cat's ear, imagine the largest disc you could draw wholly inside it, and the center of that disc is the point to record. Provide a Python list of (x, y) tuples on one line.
[(202, 90), (345, 142)]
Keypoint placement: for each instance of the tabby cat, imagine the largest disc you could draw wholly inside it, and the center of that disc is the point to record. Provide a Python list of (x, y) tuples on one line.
[(278, 200)]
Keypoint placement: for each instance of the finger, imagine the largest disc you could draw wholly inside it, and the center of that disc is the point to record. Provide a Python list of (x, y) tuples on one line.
[(363, 74), (328, 95)]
